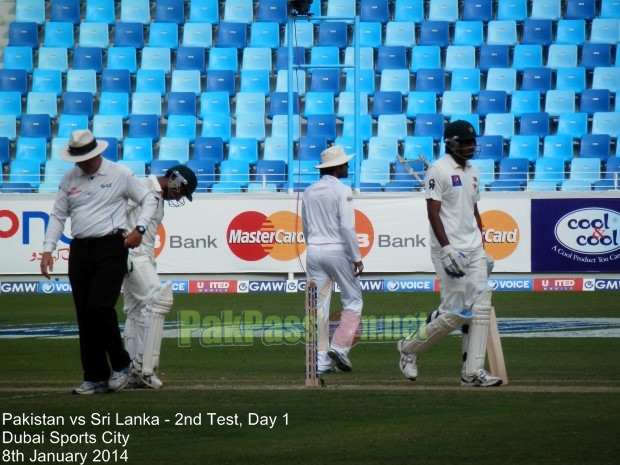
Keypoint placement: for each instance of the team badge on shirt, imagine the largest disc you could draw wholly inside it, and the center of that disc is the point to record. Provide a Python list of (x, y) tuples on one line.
[(456, 180), (431, 184)]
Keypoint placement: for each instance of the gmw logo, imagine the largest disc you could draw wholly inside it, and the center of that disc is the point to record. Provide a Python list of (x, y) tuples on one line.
[(252, 235)]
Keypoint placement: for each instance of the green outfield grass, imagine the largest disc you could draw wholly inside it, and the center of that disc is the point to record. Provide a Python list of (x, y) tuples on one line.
[(561, 405)]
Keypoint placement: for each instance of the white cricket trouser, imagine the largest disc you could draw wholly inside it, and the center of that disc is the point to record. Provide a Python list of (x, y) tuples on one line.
[(332, 261), (140, 286), (458, 294)]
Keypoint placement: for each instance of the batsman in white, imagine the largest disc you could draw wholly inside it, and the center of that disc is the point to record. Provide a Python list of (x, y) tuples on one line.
[(333, 254), (147, 301), (459, 259)]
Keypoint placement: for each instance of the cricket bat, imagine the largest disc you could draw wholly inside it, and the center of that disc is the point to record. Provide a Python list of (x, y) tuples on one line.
[(495, 353)]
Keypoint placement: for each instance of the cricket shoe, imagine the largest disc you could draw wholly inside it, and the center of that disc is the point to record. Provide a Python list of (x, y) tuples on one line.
[(408, 363), (482, 378), (327, 370), (341, 360), (134, 382), (92, 387), (152, 381), (119, 379)]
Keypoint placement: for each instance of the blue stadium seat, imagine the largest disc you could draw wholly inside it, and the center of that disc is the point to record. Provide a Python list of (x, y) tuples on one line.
[(94, 35), (430, 80), (24, 34), (536, 79), (310, 148), (409, 10), (605, 31), (36, 125), (333, 34), (146, 103), (112, 150), (394, 80), (107, 126), (255, 80), (429, 124), (250, 103), (299, 57), (400, 34), (25, 171), (460, 57), (180, 103), (562, 56), (217, 126), (264, 34), (502, 124), (468, 33), (30, 11), (524, 101), (606, 78), (239, 11), (501, 79), (347, 102), (69, 123), (537, 31), (513, 175), (156, 58), (375, 171), (391, 57), (502, 32), (486, 167), (584, 172), (273, 10), (271, 172), (558, 146), (394, 126), (135, 11), (609, 9), (477, 10), (374, 10), (232, 35), (81, 80), (151, 80), (204, 11), (324, 56), (164, 34), (570, 31), (419, 102), (299, 81), (456, 102), (138, 149), (492, 101), (527, 56), (550, 170), (370, 33), (31, 149), (414, 146), (116, 80), (221, 80), (573, 124), (53, 58), (212, 103), (160, 167), (435, 33), (303, 36), (256, 58), (494, 56), (11, 104), (365, 126), (546, 9), (88, 58), (170, 11), (425, 57), (223, 59), (199, 35), (594, 100), (14, 80), (276, 149), (571, 79), (606, 123), (8, 130), (559, 101), (137, 166), (580, 9), (18, 57), (122, 58), (129, 34), (387, 103), (100, 11), (186, 80), (522, 146), (322, 125), (537, 124), (173, 148), (366, 79), (512, 9), (181, 126), (491, 147), (325, 80), (443, 10), (141, 126), (46, 103), (319, 103), (594, 55), (235, 171), (209, 148), (382, 148), (54, 171), (250, 126), (595, 146), (66, 10)]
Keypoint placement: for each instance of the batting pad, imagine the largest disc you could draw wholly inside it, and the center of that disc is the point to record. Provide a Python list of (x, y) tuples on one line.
[(345, 333), (478, 333), (152, 345), (426, 337)]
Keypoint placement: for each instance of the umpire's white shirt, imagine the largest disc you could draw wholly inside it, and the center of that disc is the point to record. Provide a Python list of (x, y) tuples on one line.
[(457, 190), (321, 225), (97, 203)]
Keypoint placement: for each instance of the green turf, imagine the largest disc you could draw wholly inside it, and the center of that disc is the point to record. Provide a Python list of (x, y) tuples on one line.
[(562, 403)]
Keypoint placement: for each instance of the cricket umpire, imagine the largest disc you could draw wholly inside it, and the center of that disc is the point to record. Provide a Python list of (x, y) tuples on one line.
[(458, 256), (94, 196), (333, 254)]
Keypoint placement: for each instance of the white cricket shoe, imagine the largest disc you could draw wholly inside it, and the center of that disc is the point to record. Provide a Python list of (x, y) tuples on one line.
[(408, 363), (341, 360), (92, 387), (482, 378), (152, 380), (119, 379)]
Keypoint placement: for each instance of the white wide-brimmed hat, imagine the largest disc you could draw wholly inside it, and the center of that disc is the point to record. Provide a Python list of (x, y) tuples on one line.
[(82, 146), (333, 156)]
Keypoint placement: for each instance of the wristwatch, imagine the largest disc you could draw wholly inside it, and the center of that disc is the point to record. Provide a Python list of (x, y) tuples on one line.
[(141, 229)]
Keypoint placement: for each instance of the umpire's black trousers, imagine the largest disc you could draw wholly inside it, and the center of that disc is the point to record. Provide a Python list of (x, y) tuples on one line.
[(96, 270)]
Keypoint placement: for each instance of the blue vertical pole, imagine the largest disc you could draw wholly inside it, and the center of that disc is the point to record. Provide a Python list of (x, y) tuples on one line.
[(357, 105), (289, 88)]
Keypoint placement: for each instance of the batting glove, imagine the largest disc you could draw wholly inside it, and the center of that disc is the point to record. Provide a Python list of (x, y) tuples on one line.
[(453, 261)]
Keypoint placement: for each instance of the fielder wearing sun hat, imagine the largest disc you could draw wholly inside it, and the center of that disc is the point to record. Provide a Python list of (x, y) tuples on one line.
[(333, 156), (82, 146)]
